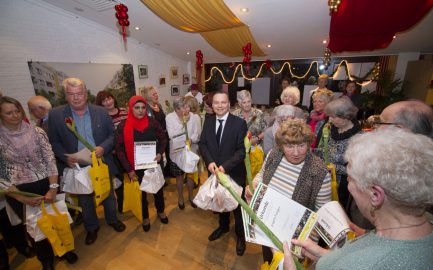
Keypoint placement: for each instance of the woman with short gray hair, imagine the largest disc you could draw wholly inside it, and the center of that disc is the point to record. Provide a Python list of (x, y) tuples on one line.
[(254, 117), (341, 127)]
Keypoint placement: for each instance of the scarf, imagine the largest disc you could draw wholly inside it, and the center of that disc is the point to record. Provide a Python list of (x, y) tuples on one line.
[(316, 117), (133, 123)]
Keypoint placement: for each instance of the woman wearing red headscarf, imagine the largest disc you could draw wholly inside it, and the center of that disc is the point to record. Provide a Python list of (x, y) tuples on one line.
[(137, 127)]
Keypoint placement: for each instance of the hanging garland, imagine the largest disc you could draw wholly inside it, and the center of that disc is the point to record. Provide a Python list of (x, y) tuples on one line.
[(375, 71), (198, 67)]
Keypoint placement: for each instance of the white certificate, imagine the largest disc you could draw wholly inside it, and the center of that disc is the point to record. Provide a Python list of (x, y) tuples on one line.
[(177, 143), (144, 155)]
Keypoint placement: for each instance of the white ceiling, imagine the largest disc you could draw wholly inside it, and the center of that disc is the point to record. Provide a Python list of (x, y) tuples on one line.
[(295, 28)]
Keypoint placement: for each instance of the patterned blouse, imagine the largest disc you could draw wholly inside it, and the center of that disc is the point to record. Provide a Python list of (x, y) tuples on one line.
[(258, 125), (26, 155)]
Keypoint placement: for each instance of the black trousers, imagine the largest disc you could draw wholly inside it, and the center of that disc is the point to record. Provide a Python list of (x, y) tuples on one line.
[(13, 235), (158, 198), (224, 219), (43, 249)]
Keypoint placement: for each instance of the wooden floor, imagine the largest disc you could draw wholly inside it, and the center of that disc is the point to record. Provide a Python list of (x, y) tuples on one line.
[(181, 244)]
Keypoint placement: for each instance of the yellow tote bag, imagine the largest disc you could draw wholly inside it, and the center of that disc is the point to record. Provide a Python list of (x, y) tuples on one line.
[(100, 179), (57, 229), (334, 185), (132, 198), (256, 159)]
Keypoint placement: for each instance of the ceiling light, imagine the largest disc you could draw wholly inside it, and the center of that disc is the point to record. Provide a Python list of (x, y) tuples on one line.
[(188, 53), (244, 9), (322, 67), (394, 36), (324, 41), (269, 46), (137, 28)]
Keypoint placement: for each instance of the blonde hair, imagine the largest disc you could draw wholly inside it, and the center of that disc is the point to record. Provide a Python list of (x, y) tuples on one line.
[(194, 107), (397, 160), (74, 82), (291, 91), (324, 94), (294, 131), (144, 91)]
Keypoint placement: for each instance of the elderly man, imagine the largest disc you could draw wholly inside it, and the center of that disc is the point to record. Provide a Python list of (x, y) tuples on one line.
[(222, 145), (39, 107), (96, 126)]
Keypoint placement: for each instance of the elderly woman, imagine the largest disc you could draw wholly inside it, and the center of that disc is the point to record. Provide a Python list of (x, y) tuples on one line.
[(290, 96), (254, 117), (291, 168), (318, 116), (39, 107), (342, 116), (138, 127), (176, 122), (27, 164), (193, 104), (282, 113), (391, 182)]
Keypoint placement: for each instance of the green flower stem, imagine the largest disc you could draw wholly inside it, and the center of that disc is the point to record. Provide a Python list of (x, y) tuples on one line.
[(22, 193), (82, 140), (248, 168)]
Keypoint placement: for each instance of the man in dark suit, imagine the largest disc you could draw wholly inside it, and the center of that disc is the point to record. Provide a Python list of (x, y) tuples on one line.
[(96, 126), (222, 146)]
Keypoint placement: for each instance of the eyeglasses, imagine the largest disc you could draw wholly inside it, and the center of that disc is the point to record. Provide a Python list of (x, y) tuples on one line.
[(384, 123), (82, 94)]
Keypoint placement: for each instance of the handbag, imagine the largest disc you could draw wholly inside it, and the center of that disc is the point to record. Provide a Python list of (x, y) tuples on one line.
[(152, 180), (100, 176), (215, 197), (57, 229), (33, 213), (77, 180), (132, 198), (187, 160)]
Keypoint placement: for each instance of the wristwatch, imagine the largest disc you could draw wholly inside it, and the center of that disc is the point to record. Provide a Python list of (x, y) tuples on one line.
[(55, 185)]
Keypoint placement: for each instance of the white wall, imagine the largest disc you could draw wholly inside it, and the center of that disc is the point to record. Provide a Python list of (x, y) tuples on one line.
[(35, 30), (402, 60)]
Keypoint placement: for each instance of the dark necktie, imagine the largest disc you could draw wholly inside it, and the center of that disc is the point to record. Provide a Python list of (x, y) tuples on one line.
[(219, 131)]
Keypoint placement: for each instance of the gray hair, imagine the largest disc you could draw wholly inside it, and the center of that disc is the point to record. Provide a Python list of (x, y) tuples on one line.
[(285, 110), (74, 82), (404, 170), (291, 91), (341, 107), (241, 95), (39, 101), (178, 103), (415, 116)]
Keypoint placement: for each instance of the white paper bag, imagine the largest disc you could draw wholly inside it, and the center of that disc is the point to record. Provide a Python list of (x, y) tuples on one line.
[(214, 196), (33, 213), (153, 180), (187, 160), (117, 183), (77, 180)]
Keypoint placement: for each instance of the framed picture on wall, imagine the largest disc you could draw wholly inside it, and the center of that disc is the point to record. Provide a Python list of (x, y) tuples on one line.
[(185, 79), (174, 72), (175, 90), (142, 72), (162, 81)]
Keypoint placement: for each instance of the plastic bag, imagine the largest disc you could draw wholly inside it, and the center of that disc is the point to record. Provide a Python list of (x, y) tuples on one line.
[(57, 229), (213, 196), (132, 198), (153, 180), (187, 160), (100, 179), (77, 180), (33, 213)]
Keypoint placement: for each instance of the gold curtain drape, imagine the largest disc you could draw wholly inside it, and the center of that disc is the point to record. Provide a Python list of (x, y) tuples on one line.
[(212, 19)]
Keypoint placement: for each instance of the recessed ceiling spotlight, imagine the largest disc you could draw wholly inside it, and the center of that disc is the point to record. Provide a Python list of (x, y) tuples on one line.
[(188, 53), (244, 9), (324, 41), (269, 45), (137, 28), (394, 36)]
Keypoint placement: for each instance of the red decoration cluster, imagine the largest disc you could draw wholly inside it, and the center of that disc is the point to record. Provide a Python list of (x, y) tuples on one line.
[(268, 64), (198, 66), (122, 18), (247, 55)]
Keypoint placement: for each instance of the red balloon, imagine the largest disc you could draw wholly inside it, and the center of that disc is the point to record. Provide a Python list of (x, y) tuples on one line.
[(245, 60), (118, 16), (124, 8), (121, 23), (123, 15), (125, 22)]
